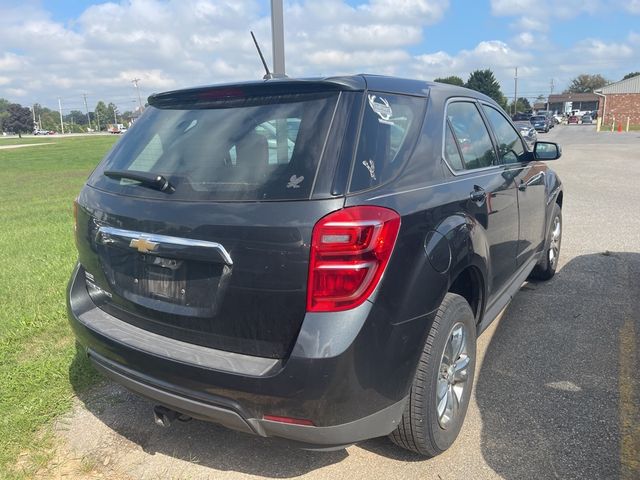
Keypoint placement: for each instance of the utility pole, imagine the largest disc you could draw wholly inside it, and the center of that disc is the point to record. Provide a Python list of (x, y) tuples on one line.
[(60, 108), (515, 94), (33, 110), (550, 93), (277, 38), (84, 95), (115, 118), (135, 82)]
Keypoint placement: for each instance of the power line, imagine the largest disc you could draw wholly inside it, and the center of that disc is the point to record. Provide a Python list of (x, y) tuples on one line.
[(135, 82), (60, 108), (515, 94), (84, 95)]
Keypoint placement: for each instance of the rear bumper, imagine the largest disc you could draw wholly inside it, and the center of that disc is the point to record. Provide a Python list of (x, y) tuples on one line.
[(349, 377), (377, 424)]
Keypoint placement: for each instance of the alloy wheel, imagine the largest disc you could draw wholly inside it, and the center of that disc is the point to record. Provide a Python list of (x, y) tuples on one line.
[(452, 376), (554, 244)]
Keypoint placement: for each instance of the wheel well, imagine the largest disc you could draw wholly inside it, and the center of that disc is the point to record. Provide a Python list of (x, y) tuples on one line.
[(559, 199), (468, 284)]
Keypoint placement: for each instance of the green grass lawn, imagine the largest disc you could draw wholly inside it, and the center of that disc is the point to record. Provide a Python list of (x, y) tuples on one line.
[(37, 253), (31, 139)]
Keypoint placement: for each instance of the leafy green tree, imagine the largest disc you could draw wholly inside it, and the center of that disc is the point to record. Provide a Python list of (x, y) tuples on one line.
[(585, 83), (20, 119), (103, 115), (4, 115), (522, 105), (631, 75), (485, 82), (76, 117), (112, 112), (452, 80)]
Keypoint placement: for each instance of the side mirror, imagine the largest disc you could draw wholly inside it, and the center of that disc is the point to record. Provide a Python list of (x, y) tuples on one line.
[(547, 151)]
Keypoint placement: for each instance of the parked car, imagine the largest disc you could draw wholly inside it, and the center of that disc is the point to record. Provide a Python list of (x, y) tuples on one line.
[(541, 123), (573, 119), (586, 119), (41, 132), (330, 297), (549, 116), (527, 131), (521, 116)]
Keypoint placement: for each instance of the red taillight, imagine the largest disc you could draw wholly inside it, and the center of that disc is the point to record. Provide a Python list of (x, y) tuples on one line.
[(350, 249), (289, 420)]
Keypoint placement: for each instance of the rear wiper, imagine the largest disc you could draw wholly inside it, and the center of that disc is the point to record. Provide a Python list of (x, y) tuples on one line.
[(146, 179)]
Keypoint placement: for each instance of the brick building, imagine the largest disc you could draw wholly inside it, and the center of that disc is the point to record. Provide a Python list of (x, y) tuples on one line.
[(567, 102), (621, 100)]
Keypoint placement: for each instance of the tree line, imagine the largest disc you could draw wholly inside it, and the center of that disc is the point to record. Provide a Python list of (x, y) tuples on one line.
[(485, 82), (19, 119)]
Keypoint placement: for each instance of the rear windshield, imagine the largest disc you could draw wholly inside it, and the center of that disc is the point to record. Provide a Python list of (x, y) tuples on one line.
[(260, 148), (538, 119)]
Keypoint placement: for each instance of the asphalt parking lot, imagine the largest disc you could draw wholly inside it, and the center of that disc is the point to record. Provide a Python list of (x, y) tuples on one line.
[(557, 388)]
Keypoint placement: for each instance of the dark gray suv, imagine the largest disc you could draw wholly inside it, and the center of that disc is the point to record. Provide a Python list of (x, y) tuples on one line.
[(311, 259)]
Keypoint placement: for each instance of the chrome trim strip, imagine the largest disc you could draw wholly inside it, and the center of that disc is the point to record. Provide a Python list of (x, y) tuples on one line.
[(167, 240), (455, 180)]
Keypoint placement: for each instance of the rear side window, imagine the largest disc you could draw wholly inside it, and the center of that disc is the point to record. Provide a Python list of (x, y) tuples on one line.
[(471, 135), (390, 126), (451, 152), (262, 148), (509, 144)]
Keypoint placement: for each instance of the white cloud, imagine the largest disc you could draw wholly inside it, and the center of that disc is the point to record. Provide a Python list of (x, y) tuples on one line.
[(496, 55), (545, 8), (171, 44), (632, 6)]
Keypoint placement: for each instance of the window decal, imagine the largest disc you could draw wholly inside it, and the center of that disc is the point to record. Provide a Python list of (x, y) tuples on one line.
[(382, 108), (371, 167), (294, 181)]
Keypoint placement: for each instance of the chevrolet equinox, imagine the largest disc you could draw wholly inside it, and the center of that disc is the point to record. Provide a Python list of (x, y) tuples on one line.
[(311, 259)]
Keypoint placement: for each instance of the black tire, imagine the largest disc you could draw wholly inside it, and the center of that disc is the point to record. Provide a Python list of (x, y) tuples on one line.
[(546, 267), (420, 429)]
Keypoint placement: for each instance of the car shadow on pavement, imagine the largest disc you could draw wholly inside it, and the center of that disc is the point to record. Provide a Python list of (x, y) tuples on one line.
[(547, 392), (548, 389), (113, 411)]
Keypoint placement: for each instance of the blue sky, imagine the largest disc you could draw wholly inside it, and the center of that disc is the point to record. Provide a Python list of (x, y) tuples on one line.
[(67, 48)]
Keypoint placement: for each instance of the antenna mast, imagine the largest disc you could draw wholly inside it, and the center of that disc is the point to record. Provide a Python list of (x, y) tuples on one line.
[(268, 74)]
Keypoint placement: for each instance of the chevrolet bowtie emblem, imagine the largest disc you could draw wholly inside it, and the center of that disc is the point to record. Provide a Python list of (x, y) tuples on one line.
[(143, 245)]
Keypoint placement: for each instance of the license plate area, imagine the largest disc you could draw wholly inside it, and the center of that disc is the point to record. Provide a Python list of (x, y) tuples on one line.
[(163, 279), (179, 286)]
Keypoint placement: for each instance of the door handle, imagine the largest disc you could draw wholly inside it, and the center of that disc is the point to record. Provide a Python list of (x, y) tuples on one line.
[(478, 194)]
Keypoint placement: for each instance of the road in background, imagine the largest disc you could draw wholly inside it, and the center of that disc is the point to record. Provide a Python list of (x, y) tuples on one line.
[(556, 392)]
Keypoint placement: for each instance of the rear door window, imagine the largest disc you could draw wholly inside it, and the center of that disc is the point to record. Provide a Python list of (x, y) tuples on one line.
[(471, 134), (510, 145), (390, 126), (262, 148), (451, 152)]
